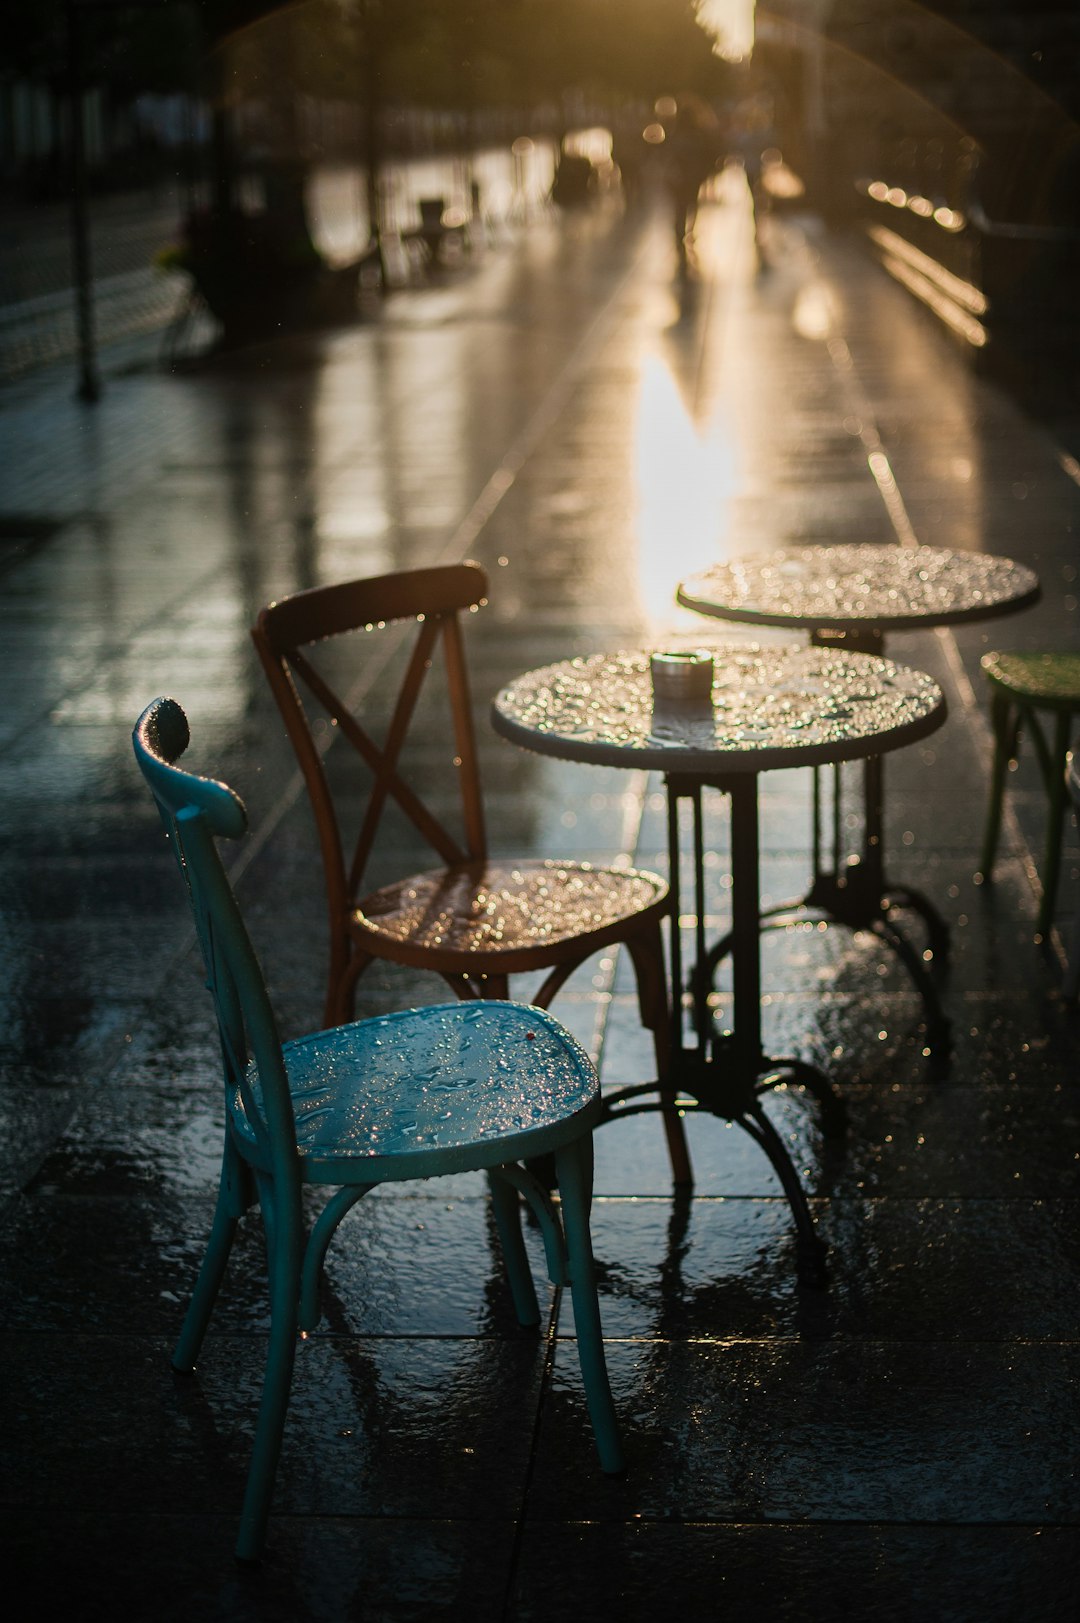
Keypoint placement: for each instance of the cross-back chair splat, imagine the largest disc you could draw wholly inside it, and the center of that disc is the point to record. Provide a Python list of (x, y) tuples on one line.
[(382, 760), (477, 921)]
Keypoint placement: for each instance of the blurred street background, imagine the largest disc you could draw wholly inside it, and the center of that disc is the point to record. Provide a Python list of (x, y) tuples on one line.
[(598, 293), (144, 146)]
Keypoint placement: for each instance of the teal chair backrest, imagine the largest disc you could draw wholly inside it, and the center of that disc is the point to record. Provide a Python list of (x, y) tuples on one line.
[(196, 811)]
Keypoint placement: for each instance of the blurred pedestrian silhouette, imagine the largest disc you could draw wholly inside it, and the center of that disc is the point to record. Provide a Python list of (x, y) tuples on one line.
[(693, 149), (753, 137), (575, 179), (628, 152)]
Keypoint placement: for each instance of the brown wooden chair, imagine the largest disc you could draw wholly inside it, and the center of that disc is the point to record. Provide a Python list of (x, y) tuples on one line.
[(474, 920)]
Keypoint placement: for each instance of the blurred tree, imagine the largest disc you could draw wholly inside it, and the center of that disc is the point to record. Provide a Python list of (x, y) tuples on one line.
[(128, 46), (435, 52), (120, 48), (457, 54), (620, 49)]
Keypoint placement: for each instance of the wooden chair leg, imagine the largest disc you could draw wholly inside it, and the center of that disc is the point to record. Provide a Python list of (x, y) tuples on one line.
[(345, 972), (574, 1166), (647, 955)]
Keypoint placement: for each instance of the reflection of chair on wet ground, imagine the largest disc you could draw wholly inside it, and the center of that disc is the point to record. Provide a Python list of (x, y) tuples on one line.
[(443, 1089), (474, 920), (1021, 686)]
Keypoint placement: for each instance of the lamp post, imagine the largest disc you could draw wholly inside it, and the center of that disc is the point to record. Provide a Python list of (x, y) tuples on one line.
[(89, 388)]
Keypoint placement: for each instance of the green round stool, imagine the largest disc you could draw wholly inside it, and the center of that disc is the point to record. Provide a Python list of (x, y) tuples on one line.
[(1021, 685)]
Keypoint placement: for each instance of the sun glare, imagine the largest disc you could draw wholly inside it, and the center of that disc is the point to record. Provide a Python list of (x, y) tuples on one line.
[(733, 23), (685, 481)]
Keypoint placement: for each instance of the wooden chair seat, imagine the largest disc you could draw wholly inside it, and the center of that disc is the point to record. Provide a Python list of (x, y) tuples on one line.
[(512, 914)]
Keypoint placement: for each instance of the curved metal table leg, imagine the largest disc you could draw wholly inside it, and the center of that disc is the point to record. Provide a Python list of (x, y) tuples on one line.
[(938, 934), (812, 1250), (834, 1115)]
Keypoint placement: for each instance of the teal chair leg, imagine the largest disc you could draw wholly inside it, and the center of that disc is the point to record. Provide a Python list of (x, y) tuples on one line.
[(231, 1203), (318, 1244), (506, 1205), (284, 1263), (574, 1167), (1055, 818), (1001, 721)]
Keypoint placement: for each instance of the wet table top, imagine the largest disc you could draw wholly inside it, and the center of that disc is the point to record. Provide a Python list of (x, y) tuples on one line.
[(770, 707), (861, 586)]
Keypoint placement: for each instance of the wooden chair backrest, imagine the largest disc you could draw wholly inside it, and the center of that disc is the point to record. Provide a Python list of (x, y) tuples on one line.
[(432, 598)]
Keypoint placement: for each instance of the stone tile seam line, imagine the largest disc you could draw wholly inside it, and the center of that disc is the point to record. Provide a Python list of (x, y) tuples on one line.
[(788, 1341), (782, 1341), (544, 1390), (869, 433), (526, 441), (782, 1521)]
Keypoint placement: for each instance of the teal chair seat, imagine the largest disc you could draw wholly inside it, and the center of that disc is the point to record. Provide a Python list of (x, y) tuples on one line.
[(446, 1088), (459, 1087), (1033, 694)]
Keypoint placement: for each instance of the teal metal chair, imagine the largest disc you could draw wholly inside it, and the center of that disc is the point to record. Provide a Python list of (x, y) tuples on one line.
[(449, 1088), (1021, 686)]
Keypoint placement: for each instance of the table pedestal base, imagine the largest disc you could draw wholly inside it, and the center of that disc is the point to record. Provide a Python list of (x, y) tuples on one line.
[(857, 895), (707, 1086), (727, 1074), (841, 899)]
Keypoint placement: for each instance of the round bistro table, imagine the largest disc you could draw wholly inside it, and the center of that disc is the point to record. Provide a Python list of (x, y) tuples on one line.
[(851, 596), (769, 708)]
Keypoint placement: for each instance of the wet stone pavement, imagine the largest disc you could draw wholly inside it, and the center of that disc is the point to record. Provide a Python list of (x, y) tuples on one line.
[(901, 1445)]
